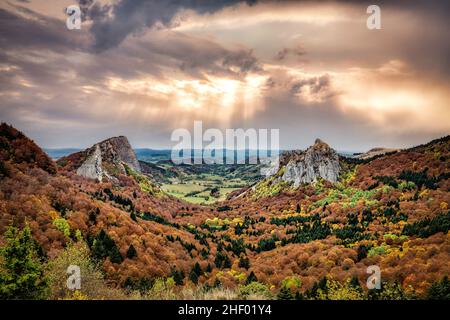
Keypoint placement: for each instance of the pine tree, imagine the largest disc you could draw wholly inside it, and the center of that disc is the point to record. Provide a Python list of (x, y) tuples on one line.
[(227, 262), (440, 290), (244, 262), (251, 278), (21, 272), (131, 252), (115, 255), (178, 277), (285, 294), (197, 269), (104, 246), (354, 282), (193, 276)]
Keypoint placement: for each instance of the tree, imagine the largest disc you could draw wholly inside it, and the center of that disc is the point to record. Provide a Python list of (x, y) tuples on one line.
[(178, 277), (21, 272), (104, 246), (195, 273), (251, 278), (131, 252), (197, 269), (440, 290), (244, 262), (362, 252), (215, 192), (93, 284), (193, 276), (354, 283), (285, 294)]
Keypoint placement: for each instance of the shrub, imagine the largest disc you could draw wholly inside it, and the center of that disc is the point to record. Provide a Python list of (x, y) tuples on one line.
[(93, 286), (254, 291), (62, 225)]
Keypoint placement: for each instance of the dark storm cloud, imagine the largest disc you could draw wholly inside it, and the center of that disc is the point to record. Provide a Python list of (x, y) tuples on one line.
[(37, 32), (55, 83), (113, 23), (193, 55)]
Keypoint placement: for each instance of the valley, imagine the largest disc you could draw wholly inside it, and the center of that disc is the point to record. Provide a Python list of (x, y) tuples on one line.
[(309, 231)]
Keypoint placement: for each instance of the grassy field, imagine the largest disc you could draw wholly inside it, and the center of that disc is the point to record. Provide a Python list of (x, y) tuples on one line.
[(197, 188)]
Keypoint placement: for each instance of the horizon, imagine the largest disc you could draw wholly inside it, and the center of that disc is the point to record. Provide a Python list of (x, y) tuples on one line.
[(341, 151)]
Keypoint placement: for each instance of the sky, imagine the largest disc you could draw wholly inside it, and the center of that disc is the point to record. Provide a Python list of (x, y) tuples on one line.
[(145, 68)]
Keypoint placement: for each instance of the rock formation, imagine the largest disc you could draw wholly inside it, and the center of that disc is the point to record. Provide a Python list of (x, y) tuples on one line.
[(318, 161), (108, 158)]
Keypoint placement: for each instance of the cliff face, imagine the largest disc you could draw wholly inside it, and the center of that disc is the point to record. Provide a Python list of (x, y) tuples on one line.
[(318, 161), (107, 159)]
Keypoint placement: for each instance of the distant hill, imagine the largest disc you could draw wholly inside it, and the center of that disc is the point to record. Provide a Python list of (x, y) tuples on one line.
[(56, 153), (374, 153)]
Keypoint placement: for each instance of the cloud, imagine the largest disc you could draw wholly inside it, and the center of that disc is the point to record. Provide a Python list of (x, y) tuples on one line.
[(112, 23), (285, 52), (143, 69)]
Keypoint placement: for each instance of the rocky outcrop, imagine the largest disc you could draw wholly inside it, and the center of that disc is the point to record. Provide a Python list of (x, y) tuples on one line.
[(92, 166), (108, 159), (318, 161)]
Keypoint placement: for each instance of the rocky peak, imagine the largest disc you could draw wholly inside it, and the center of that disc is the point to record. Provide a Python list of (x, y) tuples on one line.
[(108, 158), (318, 161)]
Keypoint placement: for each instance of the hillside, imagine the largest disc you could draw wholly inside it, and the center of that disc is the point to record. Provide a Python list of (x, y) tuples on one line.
[(391, 211)]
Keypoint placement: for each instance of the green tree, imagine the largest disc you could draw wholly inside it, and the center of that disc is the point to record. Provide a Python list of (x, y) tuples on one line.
[(131, 252), (21, 272), (104, 246), (440, 290), (178, 277), (193, 276), (244, 262), (251, 278), (285, 294), (197, 269)]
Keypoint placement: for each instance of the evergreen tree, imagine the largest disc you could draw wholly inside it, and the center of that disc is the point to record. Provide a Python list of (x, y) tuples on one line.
[(178, 277), (21, 272), (251, 278), (354, 282), (362, 252), (227, 262), (440, 290), (104, 246), (244, 262), (285, 294), (299, 296), (193, 276), (131, 252), (197, 269), (115, 255)]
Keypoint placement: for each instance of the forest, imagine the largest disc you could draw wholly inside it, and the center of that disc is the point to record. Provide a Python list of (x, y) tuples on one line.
[(133, 240)]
